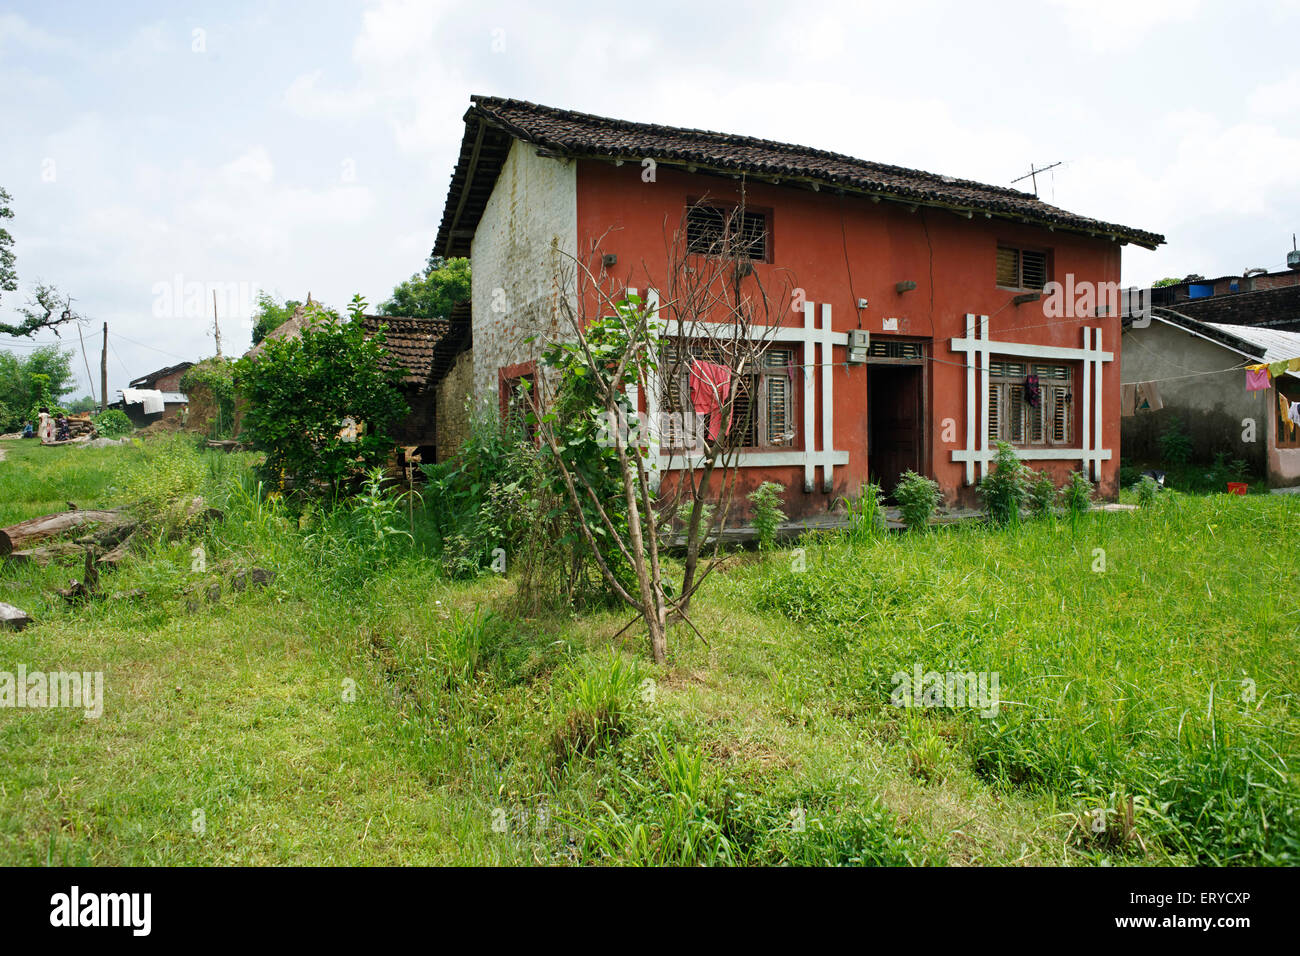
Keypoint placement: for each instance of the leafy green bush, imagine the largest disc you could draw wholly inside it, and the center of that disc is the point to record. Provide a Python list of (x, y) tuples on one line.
[(767, 517), (1175, 445), (484, 498), (918, 497), (1040, 494), (302, 390), (1146, 491), (1077, 495), (112, 423), (169, 470), (1004, 488), (216, 377)]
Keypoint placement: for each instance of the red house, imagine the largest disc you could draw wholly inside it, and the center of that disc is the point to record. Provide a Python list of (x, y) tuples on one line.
[(953, 293)]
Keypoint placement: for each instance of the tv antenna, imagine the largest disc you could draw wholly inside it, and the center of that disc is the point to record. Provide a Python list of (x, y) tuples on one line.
[(1033, 174)]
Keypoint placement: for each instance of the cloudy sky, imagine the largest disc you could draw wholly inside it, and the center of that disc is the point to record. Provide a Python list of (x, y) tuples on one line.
[(152, 149)]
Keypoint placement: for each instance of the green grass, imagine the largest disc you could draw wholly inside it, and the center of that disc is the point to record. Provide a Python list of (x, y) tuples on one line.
[(361, 709)]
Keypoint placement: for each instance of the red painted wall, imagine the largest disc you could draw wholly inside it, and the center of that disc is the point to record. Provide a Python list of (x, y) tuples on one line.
[(817, 240)]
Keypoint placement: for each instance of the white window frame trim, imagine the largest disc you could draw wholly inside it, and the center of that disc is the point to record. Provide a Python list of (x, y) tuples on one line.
[(978, 349), (809, 336)]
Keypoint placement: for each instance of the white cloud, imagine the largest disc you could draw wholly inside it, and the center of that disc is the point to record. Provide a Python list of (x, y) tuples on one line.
[(1281, 98), (1112, 26)]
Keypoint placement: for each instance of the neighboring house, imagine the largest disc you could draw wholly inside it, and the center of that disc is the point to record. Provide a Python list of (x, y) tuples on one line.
[(1252, 280), (1271, 309), (951, 271), (1198, 369), (144, 406), (410, 344), (164, 379), (154, 397)]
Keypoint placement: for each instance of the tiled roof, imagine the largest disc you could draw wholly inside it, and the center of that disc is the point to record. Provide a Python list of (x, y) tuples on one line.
[(1275, 308), (147, 381), (290, 327), (410, 341), (459, 337), (491, 123)]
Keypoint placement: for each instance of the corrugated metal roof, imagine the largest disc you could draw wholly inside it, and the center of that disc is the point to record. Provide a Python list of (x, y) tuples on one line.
[(1277, 345)]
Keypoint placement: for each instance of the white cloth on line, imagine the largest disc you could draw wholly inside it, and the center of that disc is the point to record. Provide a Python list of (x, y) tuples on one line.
[(150, 398)]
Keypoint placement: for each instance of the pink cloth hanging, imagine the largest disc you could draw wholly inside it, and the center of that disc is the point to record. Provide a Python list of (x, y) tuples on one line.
[(710, 386), (1256, 379)]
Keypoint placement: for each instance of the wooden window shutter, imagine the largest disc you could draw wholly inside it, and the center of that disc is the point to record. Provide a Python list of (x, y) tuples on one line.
[(995, 412), (777, 397), (1060, 415), (1036, 417), (1008, 271), (744, 427), (1015, 414)]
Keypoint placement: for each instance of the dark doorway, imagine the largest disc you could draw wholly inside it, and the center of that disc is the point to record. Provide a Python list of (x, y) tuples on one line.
[(894, 423)]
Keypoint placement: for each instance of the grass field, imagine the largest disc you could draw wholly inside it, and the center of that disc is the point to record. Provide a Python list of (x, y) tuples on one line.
[(362, 709)]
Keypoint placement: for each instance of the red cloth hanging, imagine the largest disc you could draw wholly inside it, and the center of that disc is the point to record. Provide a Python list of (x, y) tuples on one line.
[(710, 386)]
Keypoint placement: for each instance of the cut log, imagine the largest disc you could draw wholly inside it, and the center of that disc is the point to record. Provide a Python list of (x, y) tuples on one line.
[(47, 526), (13, 618), (114, 557), (110, 537), (43, 556)]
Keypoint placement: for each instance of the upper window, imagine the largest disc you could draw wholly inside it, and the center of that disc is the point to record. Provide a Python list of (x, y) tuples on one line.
[(762, 411), (1022, 268), (727, 230), (1022, 415)]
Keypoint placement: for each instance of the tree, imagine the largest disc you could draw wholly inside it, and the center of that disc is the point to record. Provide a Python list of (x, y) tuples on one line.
[(27, 382), (8, 269), (271, 315), (320, 404), (47, 308), (431, 295), (713, 310)]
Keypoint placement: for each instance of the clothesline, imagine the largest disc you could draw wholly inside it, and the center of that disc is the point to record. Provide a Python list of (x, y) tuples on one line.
[(961, 364)]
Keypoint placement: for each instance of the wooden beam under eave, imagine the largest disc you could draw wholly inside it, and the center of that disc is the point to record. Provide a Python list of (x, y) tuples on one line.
[(464, 193)]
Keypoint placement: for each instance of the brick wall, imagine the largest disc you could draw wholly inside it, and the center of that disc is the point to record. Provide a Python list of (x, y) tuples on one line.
[(453, 406), (529, 221), (170, 383)]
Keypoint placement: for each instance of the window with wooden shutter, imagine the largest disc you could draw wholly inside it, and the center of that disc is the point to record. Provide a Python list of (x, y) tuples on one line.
[(1021, 269), (718, 230), (778, 388), (1014, 420), (995, 412), (1033, 269), (1008, 267), (762, 409), (1061, 417)]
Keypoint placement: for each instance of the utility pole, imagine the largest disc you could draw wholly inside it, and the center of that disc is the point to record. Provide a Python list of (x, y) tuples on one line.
[(216, 327), (103, 372), (90, 382)]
